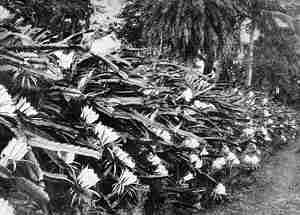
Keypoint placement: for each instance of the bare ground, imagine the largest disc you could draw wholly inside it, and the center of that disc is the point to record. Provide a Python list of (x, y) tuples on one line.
[(276, 190)]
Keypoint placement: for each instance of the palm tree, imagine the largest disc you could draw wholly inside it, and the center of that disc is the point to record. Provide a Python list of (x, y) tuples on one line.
[(185, 29)]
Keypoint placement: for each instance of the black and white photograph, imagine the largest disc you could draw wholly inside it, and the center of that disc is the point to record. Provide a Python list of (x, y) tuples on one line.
[(149, 107)]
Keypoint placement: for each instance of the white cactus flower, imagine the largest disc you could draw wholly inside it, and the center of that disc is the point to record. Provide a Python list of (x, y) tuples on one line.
[(226, 149), (252, 160), (220, 190), (188, 94), (64, 59), (89, 115), (154, 159), (251, 94), (15, 150), (25, 107), (4, 13), (219, 163), (203, 105), (233, 159), (161, 170), (270, 121), (204, 152), (87, 178), (128, 178), (7, 106), (123, 157), (5, 207), (267, 113), (192, 143), (265, 101), (188, 177), (249, 131), (284, 139), (67, 157), (164, 134), (266, 134), (105, 134), (194, 158), (198, 164)]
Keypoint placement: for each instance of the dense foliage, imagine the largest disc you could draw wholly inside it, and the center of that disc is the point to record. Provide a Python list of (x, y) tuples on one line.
[(62, 17), (88, 129)]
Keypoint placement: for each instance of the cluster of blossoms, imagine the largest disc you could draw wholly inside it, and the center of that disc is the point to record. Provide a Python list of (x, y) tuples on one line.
[(228, 157), (106, 135)]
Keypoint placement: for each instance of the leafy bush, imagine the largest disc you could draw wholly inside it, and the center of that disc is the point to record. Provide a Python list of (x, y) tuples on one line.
[(82, 133)]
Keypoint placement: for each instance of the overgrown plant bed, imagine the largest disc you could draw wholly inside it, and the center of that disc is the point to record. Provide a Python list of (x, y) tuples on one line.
[(83, 133)]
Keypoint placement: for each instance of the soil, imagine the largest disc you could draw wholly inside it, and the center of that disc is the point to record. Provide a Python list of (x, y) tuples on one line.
[(276, 190)]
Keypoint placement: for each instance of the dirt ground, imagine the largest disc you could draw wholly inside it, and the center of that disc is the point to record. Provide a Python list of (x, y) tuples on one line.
[(276, 190)]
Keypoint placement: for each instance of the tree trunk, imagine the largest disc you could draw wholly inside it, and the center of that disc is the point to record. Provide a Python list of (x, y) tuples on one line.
[(251, 55)]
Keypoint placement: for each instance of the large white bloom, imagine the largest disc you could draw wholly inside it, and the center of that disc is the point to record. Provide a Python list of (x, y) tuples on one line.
[(204, 152), (68, 157), (266, 134), (267, 113), (204, 105), (191, 143), (154, 159), (105, 134), (7, 106), (164, 134), (188, 177), (249, 131), (89, 115), (65, 59), (123, 157), (161, 170), (87, 178), (196, 161), (4, 13), (128, 178), (252, 160), (265, 101), (25, 107), (219, 163), (188, 94), (220, 190), (232, 159), (105, 45), (6, 208), (15, 150)]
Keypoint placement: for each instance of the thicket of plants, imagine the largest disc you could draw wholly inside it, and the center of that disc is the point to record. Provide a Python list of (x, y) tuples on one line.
[(89, 131)]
